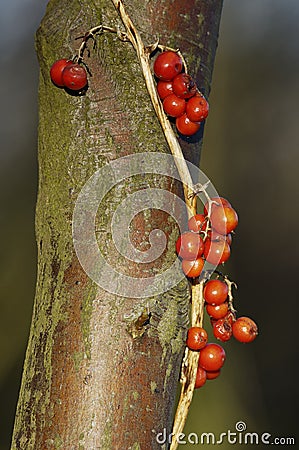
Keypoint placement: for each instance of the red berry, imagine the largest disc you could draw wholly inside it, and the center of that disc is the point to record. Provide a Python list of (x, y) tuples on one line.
[(245, 329), (216, 201), (74, 77), (216, 252), (200, 377), (185, 126), (217, 311), (222, 329), (212, 375), (215, 292), (174, 106), (57, 69), (197, 338), (189, 245), (164, 88), (184, 86), (167, 65), (197, 108), (224, 219), (212, 357), (197, 223), (213, 235), (192, 269)]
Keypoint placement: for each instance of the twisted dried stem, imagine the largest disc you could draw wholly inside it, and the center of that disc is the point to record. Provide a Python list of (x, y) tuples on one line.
[(230, 285), (189, 367)]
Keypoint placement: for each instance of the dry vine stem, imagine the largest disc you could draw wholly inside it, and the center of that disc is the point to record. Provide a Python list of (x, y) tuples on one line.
[(190, 362), (230, 284), (189, 367)]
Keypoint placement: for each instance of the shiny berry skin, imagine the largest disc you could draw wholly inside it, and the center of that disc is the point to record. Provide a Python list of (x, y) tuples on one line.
[(197, 223), (57, 69), (215, 292), (197, 108), (213, 235), (216, 201), (167, 65), (224, 219), (217, 311), (200, 377), (212, 357), (185, 126), (245, 329), (216, 252), (197, 338), (174, 106), (192, 269), (222, 329), (74, 77), (184, 86), (212, 375), (164, 89), (189, 245)]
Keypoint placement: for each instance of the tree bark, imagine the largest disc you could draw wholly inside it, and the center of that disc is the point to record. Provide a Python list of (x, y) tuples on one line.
[(97, 375)]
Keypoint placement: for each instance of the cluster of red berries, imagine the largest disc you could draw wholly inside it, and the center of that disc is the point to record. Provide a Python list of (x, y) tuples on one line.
[(211, 358), (179, 94), (209, 237), (68, 74), (225, 324), (223, 316)]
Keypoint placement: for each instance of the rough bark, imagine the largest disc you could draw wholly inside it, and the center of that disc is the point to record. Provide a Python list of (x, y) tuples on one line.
[(88, 383)]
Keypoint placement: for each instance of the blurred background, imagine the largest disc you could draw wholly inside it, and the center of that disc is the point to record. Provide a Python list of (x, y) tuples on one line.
[(251, 155)]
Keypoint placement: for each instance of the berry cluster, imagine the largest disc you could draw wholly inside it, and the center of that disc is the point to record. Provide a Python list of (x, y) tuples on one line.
[(68, 74), (209, 237), (223, 316), (211, 358), (179, 94), (224, 323)]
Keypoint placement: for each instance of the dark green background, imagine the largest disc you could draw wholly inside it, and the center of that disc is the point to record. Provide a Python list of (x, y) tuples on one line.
[(251, 155)]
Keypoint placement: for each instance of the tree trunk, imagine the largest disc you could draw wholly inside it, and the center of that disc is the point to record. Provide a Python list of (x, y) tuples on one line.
[(101, 369)]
